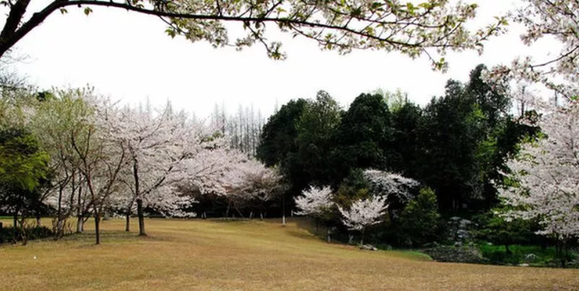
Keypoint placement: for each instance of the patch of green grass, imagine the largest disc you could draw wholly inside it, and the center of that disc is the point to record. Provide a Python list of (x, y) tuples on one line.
[(497, 254), (245, 255), (413, 255)]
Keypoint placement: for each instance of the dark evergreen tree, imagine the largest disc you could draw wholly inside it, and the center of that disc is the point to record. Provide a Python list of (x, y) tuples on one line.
[(363, 136)]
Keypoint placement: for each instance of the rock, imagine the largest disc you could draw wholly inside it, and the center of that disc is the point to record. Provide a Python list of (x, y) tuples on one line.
[(531, 258), (464, 223), (368, 247), (459, 229), (457, 255), (523, 265)]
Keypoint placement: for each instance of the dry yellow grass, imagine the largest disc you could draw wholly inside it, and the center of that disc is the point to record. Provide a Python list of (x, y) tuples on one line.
[(244, 255)]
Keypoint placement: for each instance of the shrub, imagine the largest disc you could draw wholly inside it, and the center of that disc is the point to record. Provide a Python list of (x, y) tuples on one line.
[(11, 234), (495, 229), (419, 222)]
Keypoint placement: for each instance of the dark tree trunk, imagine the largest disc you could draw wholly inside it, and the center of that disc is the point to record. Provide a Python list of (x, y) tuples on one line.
[(79, 216), (141, 217), (38, 222), (283, 210), (97, 221), (15, 220), (128, 222), (140, 213)]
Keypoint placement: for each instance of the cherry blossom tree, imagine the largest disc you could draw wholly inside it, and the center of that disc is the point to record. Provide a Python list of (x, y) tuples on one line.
[(412, 28), (546, 20), (544, 177), (56, 121), (390, 184), (314, 202), (364, 213), (156, 146), (101, 156), (257, 184)]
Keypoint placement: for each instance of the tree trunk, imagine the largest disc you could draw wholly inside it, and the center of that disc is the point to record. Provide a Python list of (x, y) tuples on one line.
[(128, 222), (141, 217), (38, 222), (15, 220), (79, 216), (79, 224), (140, 213), (283, 210), (97, 220)]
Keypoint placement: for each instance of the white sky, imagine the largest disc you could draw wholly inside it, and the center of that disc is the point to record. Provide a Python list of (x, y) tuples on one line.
[(129, 57)]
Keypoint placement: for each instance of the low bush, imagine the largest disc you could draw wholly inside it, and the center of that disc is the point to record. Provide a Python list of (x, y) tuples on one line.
[(521, 254), (11, 234)]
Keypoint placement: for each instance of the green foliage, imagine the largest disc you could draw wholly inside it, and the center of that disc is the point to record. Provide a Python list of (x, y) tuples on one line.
[(403, 151), (362, 136), (419, 222), (519, 254), (457, 144), (495, 229), (449, 134), (278, 144), (22, 164), (354, 187), (316, 129), (279, 133)]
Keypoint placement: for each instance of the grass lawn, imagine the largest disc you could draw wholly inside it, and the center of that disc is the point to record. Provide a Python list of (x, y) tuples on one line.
[(244, 255)]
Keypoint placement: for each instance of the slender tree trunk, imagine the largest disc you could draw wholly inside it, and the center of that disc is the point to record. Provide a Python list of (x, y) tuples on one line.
[(283, 210), (59, 213), (141, 217), (79, 224), (128, 222), (97, 220), (38, 222), (79, 216), (140, 213), (15, 220)]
